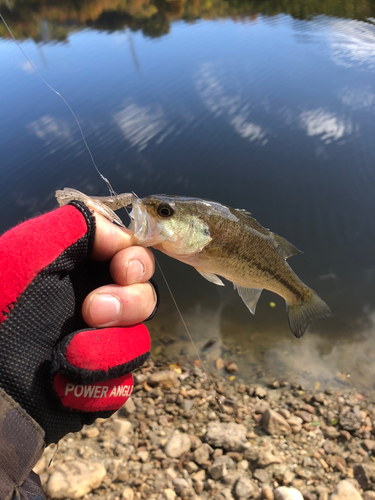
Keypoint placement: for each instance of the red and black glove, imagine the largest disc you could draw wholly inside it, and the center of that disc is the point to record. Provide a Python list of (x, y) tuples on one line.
[(62, 373)]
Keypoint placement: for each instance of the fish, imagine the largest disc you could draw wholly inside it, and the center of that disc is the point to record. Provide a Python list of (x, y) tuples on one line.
[(220, 241)]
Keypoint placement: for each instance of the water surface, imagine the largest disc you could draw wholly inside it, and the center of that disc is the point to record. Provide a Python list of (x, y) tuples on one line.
[(264, 106)]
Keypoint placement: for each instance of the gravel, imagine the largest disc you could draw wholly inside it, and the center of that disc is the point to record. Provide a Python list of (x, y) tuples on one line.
[(171, 442)]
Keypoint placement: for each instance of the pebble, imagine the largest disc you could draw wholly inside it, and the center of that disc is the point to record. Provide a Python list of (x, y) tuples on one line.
[(127, 494), (188, 404), (319, 397), (284, 493), (202, 453), (261, 475), (230, 436), (322, 492), (234, 455), (266, 458), (308, 495), (171, 473), (243, 465), (195, 441), (129, 407), (180, 485), (231, 367), (285, 413), (368, 444), (177, 444), (273, 423), (74, 479), (191, 467), (252, 453), (121, 426), (331, 432), (329, 447), (226, 494), (231, 477), (198, 487), (261, 392), (220, 363), (90, 432), (363, 474), (295, 424), (169, 494), (143, 456), (345, 491), (267, 493), (200, 476), (166, 378), (305, 415), (243, 488), (218, 470)]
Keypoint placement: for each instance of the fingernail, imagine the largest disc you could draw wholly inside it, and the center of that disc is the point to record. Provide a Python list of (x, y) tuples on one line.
[(104, 309), (135, 271)]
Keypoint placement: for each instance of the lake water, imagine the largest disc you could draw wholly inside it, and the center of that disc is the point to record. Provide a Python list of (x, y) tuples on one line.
[(264, 106)]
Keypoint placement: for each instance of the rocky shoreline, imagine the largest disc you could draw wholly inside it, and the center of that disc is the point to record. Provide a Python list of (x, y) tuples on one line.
[(170, 441)]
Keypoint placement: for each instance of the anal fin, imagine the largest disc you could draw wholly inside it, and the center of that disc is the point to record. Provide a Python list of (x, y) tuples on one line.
[(250, 296), (210, 276)]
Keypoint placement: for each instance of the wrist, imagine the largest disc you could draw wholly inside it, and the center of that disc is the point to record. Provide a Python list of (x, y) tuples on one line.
[(21, 445)]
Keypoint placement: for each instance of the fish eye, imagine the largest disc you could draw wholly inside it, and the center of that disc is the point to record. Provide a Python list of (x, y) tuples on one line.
[(165, 210)]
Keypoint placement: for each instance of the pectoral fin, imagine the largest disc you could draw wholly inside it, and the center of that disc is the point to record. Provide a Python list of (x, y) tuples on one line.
[(250, 296), (210, 277)]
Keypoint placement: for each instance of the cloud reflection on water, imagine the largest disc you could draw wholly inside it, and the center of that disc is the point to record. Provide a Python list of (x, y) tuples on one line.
[(352, 43), (325, 124), (357, 98), (49, 128), (235, 108), (141, 124)]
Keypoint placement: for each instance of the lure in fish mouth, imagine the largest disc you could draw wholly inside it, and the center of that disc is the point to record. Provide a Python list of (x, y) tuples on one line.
[(220, 241)]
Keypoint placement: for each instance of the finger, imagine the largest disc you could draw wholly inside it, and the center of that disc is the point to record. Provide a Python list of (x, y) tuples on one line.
[(115, 305), (109, 239), (132, 265)]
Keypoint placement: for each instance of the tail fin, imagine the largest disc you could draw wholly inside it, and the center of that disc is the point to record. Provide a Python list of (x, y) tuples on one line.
[(310, 308)]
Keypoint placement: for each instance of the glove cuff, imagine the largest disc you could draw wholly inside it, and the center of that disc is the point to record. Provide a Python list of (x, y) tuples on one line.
[(21, 446), (99, 399)]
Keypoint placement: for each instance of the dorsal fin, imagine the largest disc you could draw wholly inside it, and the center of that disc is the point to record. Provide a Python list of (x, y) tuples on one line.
[(243, 211), (287, 248)]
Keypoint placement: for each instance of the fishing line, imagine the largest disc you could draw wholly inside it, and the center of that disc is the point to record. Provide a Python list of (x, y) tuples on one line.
[(57, 444), (111, 190), (220, 406)]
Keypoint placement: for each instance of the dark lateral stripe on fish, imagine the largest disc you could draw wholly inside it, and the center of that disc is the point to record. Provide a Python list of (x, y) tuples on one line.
[(280, 279)]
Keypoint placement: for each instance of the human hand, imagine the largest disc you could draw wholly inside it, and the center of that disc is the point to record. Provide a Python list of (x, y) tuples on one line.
[(131, 299), (62, 373)]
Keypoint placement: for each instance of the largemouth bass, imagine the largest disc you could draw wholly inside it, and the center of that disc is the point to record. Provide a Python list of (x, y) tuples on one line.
[(221, 241)]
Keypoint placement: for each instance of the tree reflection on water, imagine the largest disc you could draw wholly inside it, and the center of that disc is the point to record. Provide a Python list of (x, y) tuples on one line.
[(51, 21)]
